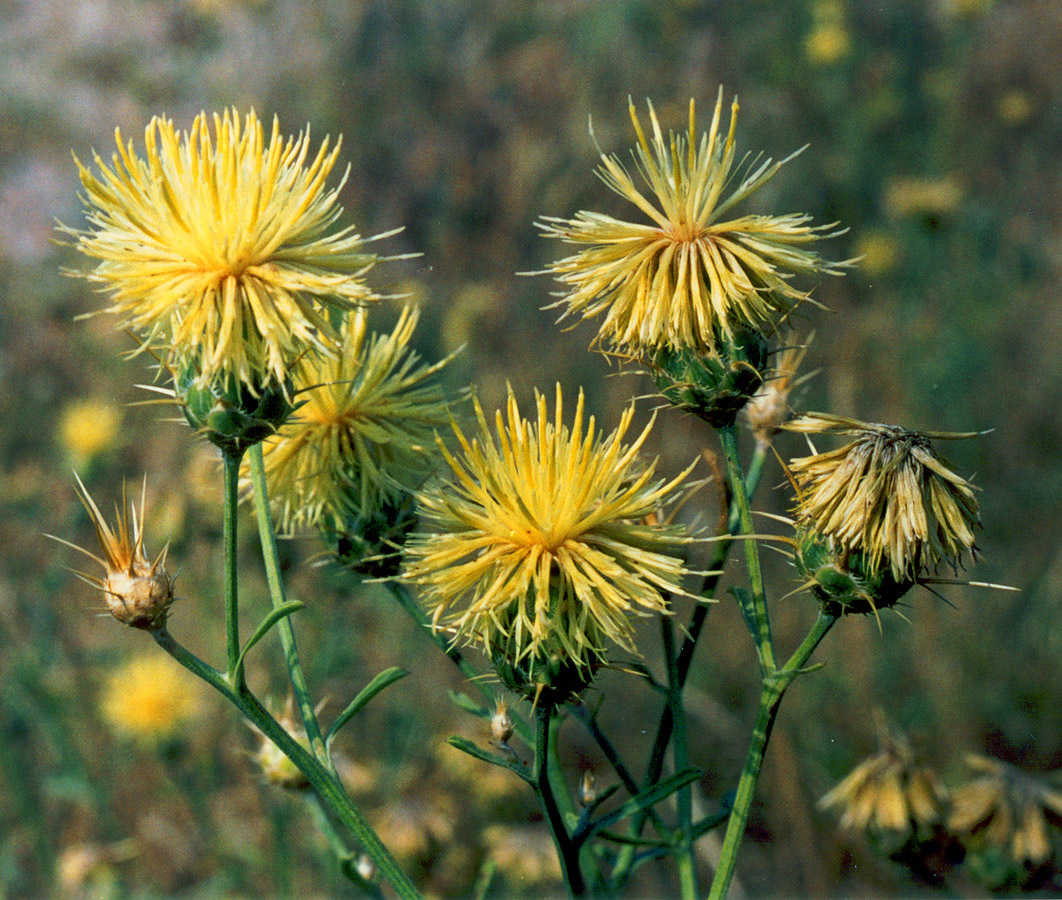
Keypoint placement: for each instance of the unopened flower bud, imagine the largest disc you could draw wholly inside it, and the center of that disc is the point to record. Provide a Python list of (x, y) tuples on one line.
[(588, 788), (365, 867), (276, 766), (501, 723), (137, 592)]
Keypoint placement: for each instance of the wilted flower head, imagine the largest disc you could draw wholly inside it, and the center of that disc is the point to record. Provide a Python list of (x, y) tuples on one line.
[(537, 542), (1007, 810), (362, 434), (137, 592), (149, 698), (888, 795), (687, 276), (768, 409), (886, 495), (215, 246)]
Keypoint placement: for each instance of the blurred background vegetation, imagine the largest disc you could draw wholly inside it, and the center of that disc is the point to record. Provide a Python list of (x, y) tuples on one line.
[(935, 132)]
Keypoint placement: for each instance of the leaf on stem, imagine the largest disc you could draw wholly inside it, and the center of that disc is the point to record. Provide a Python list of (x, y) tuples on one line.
[(271, 619), (386, 678)]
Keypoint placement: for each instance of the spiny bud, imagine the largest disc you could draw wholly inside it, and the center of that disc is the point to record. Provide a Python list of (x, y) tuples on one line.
[(233, 415), (588, 788), (501, 723), (137, 592)]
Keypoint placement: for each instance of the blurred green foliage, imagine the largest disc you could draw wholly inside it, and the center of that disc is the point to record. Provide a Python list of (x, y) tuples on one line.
[(935, 133)]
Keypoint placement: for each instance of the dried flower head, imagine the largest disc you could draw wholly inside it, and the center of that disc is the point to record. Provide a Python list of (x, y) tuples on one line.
[(888, 794), (137, 592), (1006, 809), (361, 435), (149, 698), (886, 495), (768, 409), (537, 542), (686, 276), (215, 246)]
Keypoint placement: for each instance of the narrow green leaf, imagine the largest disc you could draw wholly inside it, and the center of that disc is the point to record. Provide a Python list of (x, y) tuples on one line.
[(466, 746), (386, 678), (271, 619), (647, 798)]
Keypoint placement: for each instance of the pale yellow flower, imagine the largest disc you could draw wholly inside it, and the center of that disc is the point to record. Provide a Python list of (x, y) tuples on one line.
[(879, 253), (150, 697), (216, 245), (886, 495), (538, 540), (363, 435), (88, 428), (687, 276)]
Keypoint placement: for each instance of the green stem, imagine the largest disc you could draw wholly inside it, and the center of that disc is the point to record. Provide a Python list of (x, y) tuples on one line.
[(566, 850), (774, 687), (348, 861), (685, 658), (276, 593), (320, 778), (232, 597), (759, 615), (684, 798)]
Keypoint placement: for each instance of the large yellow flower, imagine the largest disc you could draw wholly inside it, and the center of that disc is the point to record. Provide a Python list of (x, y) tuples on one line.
[(539, 538), (215, 246), (687, 276), (150, 698), (363, 434)]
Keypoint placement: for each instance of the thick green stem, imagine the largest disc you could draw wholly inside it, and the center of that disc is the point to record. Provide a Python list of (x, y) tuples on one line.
[(760, 620), (232, 596), (321, 779), (566, 849), (774, 687), (276, 593)]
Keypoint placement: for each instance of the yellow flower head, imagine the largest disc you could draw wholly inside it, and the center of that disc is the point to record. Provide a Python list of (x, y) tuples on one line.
[(215, 246), (539, 541), (1007, 810), (87, 428), (150, 698), (687, 275), (886, 495), (888, 794), (363, 433), (137, 592)]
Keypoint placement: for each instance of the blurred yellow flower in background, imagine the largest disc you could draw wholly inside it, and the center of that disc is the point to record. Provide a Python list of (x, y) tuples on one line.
[(886, 495), (537, 541), (87, 428), (364, 433), (888, 793), (879, 252), (921, 196), (215, 246), (1015, 107), (150, 698), (1004, 808), (687, 277), (827, 44)]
